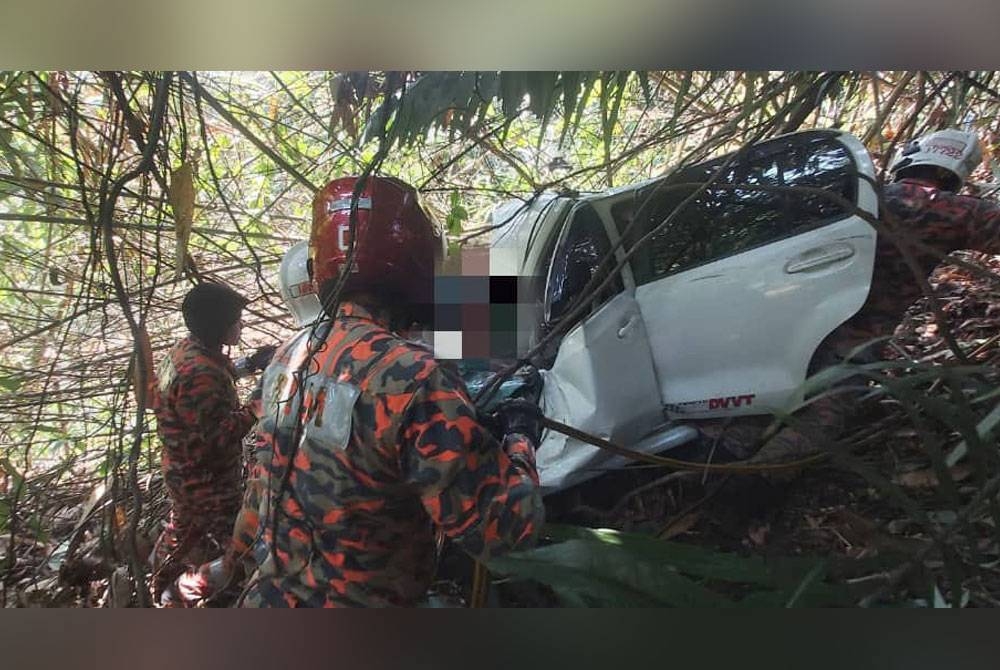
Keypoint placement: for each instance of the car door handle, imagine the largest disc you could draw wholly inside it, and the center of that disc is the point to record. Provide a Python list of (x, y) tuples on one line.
[(625, 327), (819, 257)]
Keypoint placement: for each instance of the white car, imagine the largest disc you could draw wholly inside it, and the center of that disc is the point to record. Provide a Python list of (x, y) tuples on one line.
[(717, 315)]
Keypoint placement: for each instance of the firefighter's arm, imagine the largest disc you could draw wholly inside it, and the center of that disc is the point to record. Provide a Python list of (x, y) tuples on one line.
[(483, 495), (984, 228)]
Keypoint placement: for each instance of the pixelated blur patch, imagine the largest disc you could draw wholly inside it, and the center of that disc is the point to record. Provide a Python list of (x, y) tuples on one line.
[(476, 261), (482, 310), (448, 316), (503, 330), (448, 344), (476, 343), (457, 290), (503, 317), (476, 317), (503, 344), (503, 290), (476, 328)]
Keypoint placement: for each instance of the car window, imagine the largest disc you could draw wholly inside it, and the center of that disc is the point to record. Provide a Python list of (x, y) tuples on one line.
[(720, 223), (577, 260)]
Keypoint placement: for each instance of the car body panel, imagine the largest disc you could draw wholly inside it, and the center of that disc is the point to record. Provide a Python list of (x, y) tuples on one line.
[(729, 336), (602, 382)]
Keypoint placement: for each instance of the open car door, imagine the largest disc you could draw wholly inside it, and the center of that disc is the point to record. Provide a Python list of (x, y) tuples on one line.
[(602, 380)]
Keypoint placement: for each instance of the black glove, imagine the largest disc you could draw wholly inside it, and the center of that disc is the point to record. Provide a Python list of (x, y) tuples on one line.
[(259, 359), (531, 383), (518, 416)]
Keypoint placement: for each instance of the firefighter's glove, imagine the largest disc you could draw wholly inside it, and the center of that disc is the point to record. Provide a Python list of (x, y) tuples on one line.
[(532, 382), (259, 359), (519, 416)]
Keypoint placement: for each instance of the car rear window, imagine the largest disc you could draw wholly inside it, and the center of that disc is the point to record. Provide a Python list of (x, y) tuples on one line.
[(720, 223)]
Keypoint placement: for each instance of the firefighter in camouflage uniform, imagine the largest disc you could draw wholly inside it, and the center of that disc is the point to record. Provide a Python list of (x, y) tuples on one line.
[(214, 581), (924, 205), (201, 424), (368, 446)]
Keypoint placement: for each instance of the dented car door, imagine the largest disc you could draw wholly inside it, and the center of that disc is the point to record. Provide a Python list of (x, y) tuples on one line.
[(602, 380)]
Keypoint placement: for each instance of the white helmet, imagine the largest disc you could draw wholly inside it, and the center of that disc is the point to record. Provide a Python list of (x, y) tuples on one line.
[(297, 289), (956, 151)]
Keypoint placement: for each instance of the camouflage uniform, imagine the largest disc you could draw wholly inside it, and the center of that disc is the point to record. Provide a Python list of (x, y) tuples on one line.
[(201, 425), (942, 220), (390, 450)]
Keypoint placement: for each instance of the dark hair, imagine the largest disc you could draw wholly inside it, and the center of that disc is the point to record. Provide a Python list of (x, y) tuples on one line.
[(400, 312), (210, 310)]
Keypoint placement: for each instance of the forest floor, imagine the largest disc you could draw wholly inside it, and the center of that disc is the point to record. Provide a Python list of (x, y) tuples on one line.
[(832, 511), (821, 511)]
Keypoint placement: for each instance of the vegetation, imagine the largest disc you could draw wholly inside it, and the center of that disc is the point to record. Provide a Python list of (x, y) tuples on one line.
[(120, 189)]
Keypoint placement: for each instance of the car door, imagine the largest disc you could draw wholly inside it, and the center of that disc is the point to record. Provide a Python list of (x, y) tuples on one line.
[(602, 380), (742, 285)]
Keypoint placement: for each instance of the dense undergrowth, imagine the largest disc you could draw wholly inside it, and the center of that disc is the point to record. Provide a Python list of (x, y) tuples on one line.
[(118, 190)]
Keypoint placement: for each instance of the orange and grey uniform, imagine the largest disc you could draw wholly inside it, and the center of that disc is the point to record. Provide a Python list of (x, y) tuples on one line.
[(346, 505), (201, 424), (942, 220)]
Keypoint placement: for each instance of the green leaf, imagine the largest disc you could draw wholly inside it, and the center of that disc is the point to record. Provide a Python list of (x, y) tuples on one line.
[(618, 81), (588, 86), (570, 92), (10, 383), (749, 79), (604, 574), (456, 215), (679, 100), (16, 478), (814, 575), (647, 92), (512, 87), (606, 567), (983, 429), (541, 89), (686, 558)]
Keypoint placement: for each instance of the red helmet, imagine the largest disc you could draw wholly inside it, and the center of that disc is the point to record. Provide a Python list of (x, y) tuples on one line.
[(398, 246)]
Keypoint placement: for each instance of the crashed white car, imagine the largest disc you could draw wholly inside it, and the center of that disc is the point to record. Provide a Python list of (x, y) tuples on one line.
[(717, 315)]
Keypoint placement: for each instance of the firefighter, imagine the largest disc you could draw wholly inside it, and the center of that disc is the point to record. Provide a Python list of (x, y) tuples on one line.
[(923, 204), (201, 423), (216, 582), (367, 444)]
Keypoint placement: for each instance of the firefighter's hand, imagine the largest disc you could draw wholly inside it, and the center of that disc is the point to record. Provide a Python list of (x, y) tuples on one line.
[(196, 586), (519, 416), (259, 359)]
